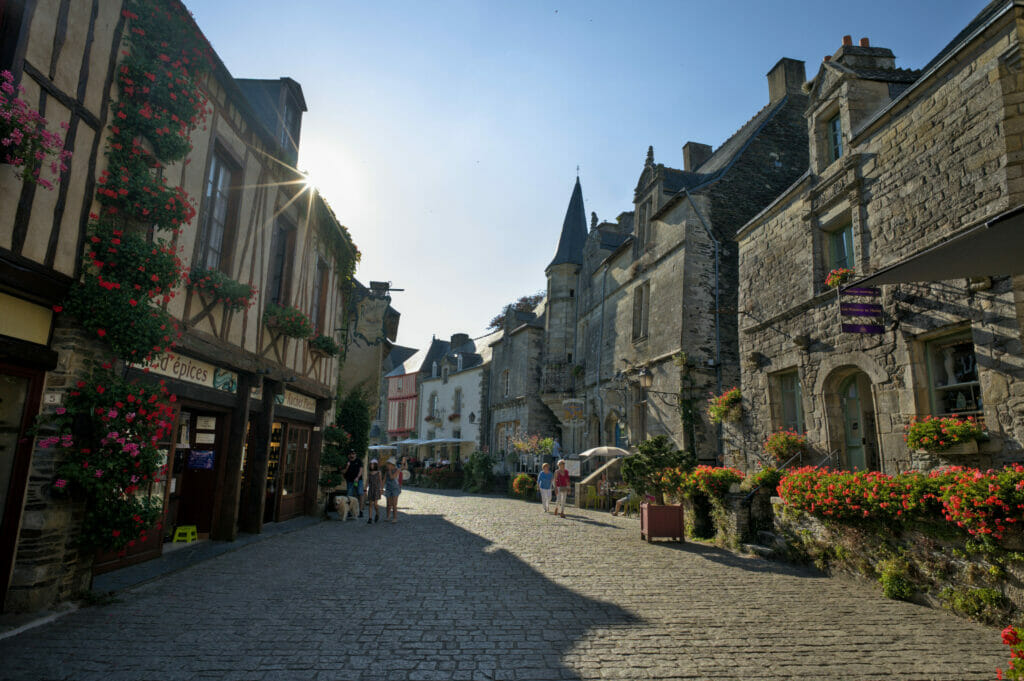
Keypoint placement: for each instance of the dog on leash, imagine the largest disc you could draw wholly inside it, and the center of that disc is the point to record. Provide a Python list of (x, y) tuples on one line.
[(347, 506)]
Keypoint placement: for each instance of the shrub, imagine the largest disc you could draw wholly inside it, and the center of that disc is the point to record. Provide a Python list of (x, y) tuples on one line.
[(712, 481), (645, 470), (525, 486), (782, 445), (984, 604), (939, 434), (725, 406), (894, 576), (766, 477), (479, 472), (1011, 637)]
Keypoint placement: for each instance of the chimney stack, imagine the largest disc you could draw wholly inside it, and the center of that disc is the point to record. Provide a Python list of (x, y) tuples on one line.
[(864, 42), (694, 155), (458, 339), (786, 77), (847, 41)]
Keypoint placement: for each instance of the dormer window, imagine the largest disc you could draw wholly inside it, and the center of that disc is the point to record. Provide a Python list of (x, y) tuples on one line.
[(444, 374), (433, 370), (833, 139), (458, 361), (288, 120)]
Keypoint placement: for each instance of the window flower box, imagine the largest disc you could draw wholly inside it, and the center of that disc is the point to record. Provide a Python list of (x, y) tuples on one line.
[(324, 346), (838, 277), (946, 434), (661, 521), (287, 321), (454, 417)]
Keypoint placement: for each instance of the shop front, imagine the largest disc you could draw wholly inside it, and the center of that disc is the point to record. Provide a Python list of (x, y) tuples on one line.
[(291, 464)]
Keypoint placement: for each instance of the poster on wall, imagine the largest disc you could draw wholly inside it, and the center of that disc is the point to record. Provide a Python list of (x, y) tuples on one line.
[(573, 466), (206, 423), (206, 438), (200, 459)]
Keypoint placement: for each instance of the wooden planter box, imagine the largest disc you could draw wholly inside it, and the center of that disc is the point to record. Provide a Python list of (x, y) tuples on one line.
[(661, 522)]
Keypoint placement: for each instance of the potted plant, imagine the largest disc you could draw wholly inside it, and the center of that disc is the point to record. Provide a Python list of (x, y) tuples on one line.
[(324, 346), (782, 445), (645, 472), (947, 434), (287, 321), (220, 288), (725, 407), (838, 277), (525, 486)]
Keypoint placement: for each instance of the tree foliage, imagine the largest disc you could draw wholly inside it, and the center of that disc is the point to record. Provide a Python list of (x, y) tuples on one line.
[(353, 416), (523, 304), (643, 471)]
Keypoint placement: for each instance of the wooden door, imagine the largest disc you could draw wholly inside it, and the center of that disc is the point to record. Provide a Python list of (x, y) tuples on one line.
[(20, 391), (199, 470), (293, 485), (274, 473), (853, 425)]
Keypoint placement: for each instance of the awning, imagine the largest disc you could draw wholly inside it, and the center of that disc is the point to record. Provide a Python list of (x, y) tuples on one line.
[(382, 447), (408, 442), (604, 452), (992, 248)]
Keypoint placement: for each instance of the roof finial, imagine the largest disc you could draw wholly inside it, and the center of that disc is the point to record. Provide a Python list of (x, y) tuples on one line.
[(650, 155), (593, 220), (577, 171)]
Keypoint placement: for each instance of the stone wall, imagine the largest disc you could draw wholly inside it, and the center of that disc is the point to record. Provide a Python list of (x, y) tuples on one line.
[(927, 169), (49, 567)]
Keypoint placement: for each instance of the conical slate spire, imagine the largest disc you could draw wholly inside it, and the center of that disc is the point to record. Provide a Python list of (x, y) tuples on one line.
[(574, 231)]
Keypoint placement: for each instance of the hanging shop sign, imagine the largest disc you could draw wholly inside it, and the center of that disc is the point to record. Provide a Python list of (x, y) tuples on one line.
[(191, 370), (572, 411), (867, 316)]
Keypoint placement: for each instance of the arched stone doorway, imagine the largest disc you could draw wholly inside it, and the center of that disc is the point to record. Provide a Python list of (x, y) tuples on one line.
[(851, 423)]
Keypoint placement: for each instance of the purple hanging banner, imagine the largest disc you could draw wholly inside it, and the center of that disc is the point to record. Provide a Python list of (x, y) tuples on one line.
[(868, 291), (860, 309), (863, 328)]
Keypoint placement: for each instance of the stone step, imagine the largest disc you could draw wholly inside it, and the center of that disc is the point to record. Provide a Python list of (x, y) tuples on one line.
[(759, 549)]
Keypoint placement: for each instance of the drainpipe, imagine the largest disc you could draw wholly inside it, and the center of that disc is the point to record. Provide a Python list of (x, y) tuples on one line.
[(600, 350), (718, 329)]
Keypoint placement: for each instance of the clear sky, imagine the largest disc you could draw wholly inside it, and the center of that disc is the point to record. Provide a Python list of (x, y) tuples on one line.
[(446, 134)]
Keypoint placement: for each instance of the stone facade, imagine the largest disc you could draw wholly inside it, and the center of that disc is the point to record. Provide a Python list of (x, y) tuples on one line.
[(656, 288), (923, 155), (514, 383)]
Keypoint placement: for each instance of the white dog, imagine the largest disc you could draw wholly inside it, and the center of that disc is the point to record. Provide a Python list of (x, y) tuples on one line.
[(347, 506)]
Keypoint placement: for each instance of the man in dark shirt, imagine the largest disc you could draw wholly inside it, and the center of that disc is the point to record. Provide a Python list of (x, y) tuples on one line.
[(353, 478)]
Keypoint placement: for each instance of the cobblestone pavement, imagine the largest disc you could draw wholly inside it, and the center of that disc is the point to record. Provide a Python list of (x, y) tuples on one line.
[(468, 587)]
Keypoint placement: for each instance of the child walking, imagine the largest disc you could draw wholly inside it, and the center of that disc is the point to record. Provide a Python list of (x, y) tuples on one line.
[(373, 485), (561, 487), (392, 488), (544, 480)]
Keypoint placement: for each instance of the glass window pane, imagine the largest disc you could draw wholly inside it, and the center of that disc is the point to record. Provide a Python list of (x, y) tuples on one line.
[(953, 372)]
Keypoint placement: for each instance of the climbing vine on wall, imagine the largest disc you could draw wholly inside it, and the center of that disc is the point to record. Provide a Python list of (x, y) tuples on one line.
[(109, 429)]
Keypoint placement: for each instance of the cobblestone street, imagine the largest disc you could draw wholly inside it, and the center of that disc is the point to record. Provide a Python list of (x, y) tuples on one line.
[(467, 587)]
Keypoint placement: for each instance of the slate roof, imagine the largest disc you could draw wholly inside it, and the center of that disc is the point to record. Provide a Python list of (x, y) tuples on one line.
[(398, 354), (421, 360), (264, 95), (574, 231)]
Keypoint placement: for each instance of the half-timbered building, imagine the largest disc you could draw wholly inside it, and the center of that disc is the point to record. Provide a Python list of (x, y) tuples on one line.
[(251, 401)]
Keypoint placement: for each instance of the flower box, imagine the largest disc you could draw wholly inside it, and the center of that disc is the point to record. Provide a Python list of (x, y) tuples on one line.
[(454, 417), (661, 521), (960, 448)]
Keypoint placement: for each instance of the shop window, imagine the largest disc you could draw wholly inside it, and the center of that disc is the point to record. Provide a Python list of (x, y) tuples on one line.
[(319, 311), (219, 203), (953, 376), (281, 247), (641, 310), (839, 247), (787, 401)]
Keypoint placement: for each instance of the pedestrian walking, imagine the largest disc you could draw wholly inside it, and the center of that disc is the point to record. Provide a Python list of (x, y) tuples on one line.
[(354, 479), (392, 488), (544, 481), (373, 488), (561, 487)]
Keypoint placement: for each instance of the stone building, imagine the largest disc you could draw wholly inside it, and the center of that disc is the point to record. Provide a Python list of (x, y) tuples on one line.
[(654, 336), (453, 400), (251, 401), (900, 161), (515, 406)]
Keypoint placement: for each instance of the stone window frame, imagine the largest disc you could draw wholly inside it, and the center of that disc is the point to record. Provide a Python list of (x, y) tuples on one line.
[(847, 214), (828, 114), (641, 311), (777, 401), (834, 138), (948, 338), (829, 247)]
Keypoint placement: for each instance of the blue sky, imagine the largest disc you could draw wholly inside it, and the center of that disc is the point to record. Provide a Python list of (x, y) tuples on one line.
[(446, 135)]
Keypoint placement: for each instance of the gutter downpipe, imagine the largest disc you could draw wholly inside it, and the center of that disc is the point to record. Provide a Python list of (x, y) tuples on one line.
[(600, 351), (718, 328)]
